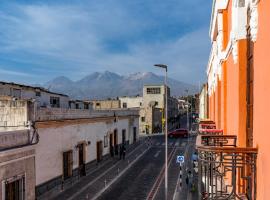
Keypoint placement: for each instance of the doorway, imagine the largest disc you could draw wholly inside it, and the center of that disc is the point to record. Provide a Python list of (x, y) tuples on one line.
[(81, 148), (99, 151), (15, 190), (111, 145), (124, 136), (134, 134), (115, 141)]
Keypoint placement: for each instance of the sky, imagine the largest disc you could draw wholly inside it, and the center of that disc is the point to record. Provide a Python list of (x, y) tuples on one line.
[(43, 39)]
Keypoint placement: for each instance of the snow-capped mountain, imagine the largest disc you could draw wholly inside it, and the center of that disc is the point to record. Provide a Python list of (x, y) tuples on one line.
[(110, 85)]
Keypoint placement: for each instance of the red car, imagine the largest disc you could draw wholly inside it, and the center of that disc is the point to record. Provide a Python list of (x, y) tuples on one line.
[(181, 132)]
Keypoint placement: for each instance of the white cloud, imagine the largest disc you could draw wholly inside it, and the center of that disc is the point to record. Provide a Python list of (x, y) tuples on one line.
[(72, 37)]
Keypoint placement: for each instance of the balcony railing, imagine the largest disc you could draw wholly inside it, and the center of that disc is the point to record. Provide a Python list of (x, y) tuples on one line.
[(226, 171), (211, 131)]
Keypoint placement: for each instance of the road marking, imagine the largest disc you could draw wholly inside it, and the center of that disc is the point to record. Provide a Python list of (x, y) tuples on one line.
[(177, 143), (102, 174), (158, 143), (183, 144), (160, 177), (158, 152), (120, 174), (171, 143)]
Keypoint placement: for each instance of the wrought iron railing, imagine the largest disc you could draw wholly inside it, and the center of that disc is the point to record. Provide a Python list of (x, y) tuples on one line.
[(211, 131), (226, 171)]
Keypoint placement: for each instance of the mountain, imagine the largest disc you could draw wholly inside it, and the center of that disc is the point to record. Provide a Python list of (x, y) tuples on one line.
[(110, 85)]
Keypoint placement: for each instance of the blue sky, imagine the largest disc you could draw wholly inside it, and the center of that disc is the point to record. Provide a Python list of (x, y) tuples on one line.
[(41, 39)]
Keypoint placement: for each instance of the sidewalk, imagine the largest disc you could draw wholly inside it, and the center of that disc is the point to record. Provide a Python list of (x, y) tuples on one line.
[(90, 185)]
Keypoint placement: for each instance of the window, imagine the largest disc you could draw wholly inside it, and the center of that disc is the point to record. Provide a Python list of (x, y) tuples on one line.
[(153, 90), (97, 104), (15, 189), (143, 119), (125, 105), (55, 102), (67, 164), (140, 103), (77, 106), (17, 93), (86, 106), (38, 94)]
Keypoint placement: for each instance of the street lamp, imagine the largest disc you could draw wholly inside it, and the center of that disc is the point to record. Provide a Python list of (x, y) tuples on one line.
[(166, 127), (187, 111)]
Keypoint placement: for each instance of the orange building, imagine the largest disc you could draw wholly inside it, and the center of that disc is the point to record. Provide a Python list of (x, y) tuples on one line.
[(239, 79)]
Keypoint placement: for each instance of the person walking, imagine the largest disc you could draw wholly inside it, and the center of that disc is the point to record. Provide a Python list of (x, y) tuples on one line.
[(189, 181), (124, 152)]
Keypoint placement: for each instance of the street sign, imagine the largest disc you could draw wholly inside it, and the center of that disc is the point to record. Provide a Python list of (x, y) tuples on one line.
[(180, 159)]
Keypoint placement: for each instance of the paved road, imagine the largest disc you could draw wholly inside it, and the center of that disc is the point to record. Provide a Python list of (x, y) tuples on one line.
[(138, 181), (140, 176)]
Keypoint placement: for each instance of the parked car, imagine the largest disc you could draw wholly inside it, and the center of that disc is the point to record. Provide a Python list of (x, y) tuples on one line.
[(181, 132)]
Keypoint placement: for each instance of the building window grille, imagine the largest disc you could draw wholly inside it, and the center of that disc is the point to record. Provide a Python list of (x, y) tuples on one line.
[(15, 189), (38, 94), (124, 105), (153, 90), (143, 119), (55, 102), (86, 106)]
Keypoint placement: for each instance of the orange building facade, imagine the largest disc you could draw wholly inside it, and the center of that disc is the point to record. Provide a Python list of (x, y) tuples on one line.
[(239, 78)]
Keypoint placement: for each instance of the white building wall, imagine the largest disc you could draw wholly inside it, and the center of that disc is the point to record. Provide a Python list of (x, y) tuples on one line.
[(30, 93), (56, 140), (132, 102), (147, 98)]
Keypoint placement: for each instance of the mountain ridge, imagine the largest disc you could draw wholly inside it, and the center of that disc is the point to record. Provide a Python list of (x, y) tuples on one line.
[(103, 85)]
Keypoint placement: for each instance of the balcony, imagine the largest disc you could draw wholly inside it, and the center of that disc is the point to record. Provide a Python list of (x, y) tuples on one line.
[(225, 170)]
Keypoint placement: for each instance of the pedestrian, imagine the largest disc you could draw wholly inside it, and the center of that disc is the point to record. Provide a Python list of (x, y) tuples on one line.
[(189, 181), (124, 152)]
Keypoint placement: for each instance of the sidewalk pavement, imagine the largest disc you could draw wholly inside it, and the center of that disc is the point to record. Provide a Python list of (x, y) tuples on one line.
[(90, 185)]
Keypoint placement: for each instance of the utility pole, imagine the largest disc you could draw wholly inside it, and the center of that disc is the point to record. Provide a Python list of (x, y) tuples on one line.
[(187, 106)]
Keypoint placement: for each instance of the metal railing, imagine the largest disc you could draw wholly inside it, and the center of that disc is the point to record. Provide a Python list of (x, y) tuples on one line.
[(226, 171)]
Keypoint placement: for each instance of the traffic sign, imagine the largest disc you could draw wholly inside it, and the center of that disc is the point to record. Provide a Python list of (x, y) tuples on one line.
[(180, 159)]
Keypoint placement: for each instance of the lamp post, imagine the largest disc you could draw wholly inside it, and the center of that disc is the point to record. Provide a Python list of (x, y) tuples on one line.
[(166, 127), (187, 106)]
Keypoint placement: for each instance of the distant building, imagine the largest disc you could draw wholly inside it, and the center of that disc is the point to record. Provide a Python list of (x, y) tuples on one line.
[(44, 97), (131, 102), (78, 104), (151, 106), (203, 111), (105, 104)]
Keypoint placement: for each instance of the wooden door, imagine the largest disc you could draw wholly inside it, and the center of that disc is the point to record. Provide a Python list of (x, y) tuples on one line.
[(81, 160), (134, 134), (99, 150), (124, 136)]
